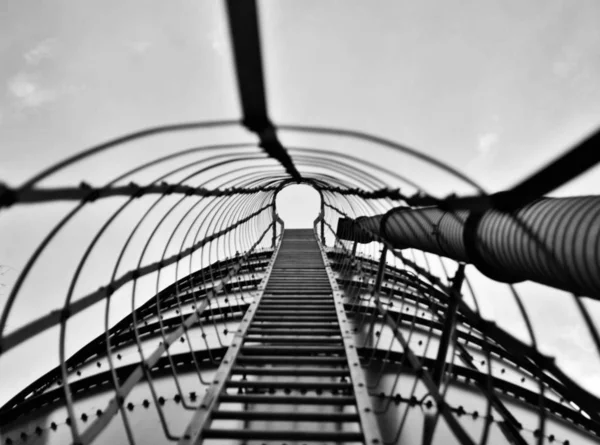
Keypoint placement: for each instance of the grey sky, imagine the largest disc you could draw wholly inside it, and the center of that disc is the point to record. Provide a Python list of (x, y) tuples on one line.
[(494, 88)]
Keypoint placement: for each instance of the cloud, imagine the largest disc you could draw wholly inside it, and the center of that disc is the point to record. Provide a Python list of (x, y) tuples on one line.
[(486, 146), (24, 91), (139, 46), (42, 51), (486, 142), (27, 93)]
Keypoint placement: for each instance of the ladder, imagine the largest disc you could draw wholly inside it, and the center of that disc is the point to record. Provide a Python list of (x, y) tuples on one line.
[(292, 371)]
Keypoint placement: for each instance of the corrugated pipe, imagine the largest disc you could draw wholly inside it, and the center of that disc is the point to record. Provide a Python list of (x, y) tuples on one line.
[(552, 241)]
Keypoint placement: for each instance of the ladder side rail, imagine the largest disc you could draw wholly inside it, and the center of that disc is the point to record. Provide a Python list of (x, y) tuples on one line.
[(202, 417)]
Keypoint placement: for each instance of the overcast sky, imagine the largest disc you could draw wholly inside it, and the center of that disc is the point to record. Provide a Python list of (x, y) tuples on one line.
[(494, 88)]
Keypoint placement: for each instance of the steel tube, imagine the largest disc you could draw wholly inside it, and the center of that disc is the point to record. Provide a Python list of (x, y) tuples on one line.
[(552, 241)]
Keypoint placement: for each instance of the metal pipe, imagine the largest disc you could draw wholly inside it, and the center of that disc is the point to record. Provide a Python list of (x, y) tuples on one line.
[(354, 246), (274, 217), (380, 271), (323, 223), (449, 326), (552, 241), (321, 217)]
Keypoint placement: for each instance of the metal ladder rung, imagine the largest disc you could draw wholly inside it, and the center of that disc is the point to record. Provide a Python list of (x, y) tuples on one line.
[(315, 273), (304, 282), (298, 274), (295, 316), (290, 285), (285, 359), (276, 384), (287, 400), (299, 271), (290, 339), (292, 331), (296, 312), (295, 371), (292, 416), (286, 300), (300, 350), (304, 308), (298, 284), (300, 291), (276, 309), (296, 287), (312, 436), (297, 292), (326, 296), (309, 301), (294, 324)]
